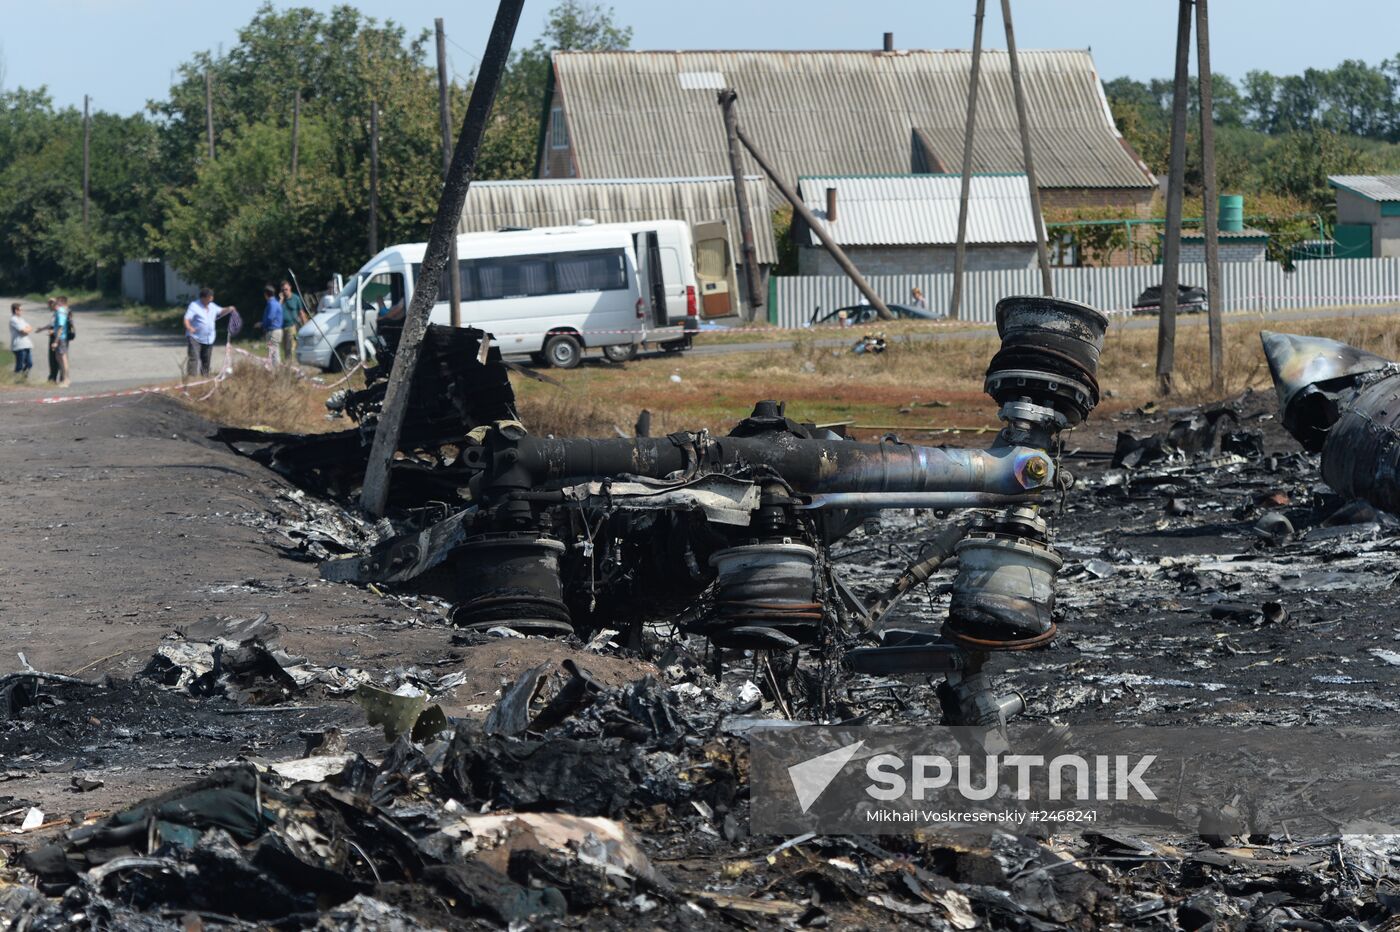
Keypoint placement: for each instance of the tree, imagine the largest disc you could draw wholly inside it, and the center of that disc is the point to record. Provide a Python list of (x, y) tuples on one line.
[(1260, 91), (1299, 164), (511, 145), (340, 62)]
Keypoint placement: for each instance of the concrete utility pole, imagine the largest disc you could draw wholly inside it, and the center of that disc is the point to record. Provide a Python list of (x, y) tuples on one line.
[(741, 198), (87, 143), (373, 177), (1210, 194), (454, 280), (375, 493), (960, 252), (1042, 254), (1176, 180), (209, 111), (818, 228), (296, 130)]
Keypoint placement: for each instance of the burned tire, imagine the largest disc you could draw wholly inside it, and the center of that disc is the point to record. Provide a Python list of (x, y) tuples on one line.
[(563, 351), (621, 352), (676, 346)]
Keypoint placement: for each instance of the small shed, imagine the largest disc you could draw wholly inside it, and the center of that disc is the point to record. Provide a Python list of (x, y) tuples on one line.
[(1243, 245), (908, 224), (156, 283), (1368, 215)]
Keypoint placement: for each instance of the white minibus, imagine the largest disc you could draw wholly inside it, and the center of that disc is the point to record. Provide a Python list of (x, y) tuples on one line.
[(550, 294)]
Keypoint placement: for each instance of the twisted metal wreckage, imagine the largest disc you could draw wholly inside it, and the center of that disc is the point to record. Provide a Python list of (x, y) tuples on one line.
[(730, 533)]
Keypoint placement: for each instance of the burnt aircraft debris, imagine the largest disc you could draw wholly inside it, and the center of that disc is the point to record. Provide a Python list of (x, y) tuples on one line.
[(560, 535), (579, 803), (1343, 402)]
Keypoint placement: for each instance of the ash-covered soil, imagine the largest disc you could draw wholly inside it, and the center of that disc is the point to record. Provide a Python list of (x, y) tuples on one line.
[(1210, 590), (1183, 600)]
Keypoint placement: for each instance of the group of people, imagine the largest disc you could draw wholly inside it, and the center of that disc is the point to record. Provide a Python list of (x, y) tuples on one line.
[(283, 314), (61, 333)]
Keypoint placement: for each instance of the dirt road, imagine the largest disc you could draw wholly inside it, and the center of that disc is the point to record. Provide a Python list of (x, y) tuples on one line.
[(124, 523), (110, 352)]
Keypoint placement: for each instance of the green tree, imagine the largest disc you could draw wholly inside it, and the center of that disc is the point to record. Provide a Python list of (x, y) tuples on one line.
[(1260, 94), (1298, 166), (259, 221), (511, 145)]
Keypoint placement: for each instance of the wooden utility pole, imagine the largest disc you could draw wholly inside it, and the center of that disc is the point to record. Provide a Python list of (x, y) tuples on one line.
[(741, 198), (818, 228), (454, 280), (87, 144), (1042, 254), (1210, 194), (960, 253), (375, 493), (373, 177), (209, 111), (1176, 180), (296, 130)]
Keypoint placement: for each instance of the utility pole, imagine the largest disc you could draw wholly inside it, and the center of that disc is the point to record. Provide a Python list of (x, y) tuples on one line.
[(296, 129), (818, 228), (373, 177), (454, 280), (375, 492), (1176, 180), (87, 143), (741, 198), (209, 111), (1210, 194), (1042, 254), (960, 253)]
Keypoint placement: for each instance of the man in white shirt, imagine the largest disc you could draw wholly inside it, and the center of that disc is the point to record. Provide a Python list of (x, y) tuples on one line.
[(199, 330), (21, 343)]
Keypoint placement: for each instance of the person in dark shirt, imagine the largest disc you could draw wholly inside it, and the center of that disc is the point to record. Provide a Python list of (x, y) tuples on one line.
[(294, 317), (272, 325)]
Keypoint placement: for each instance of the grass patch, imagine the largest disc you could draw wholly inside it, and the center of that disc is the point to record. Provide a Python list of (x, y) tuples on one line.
[(762, 332), (915, 386), (79, 299), (278, 399), (167, 319)]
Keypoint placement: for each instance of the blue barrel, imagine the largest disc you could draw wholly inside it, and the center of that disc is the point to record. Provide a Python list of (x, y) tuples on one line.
[(1231, 213)]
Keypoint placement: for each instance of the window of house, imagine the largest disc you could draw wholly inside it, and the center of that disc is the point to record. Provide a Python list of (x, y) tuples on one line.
[(1064, 251), (558, 129)]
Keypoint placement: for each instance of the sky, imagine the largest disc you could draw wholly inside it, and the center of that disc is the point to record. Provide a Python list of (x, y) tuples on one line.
[(123, 52)]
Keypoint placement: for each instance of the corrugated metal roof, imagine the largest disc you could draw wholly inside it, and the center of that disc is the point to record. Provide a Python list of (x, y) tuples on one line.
[(916, 210), (492, 205), (846, 112), (1372, 187)]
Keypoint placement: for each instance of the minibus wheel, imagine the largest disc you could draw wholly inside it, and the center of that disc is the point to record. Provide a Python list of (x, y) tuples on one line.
[(345, 358), (563, 351), (621, 352)]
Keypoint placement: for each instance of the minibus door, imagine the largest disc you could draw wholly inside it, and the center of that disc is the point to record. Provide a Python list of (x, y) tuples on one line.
[(651, 278), (714, 270)]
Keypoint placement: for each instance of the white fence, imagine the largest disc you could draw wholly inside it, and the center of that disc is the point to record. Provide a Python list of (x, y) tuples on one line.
[(1244, 286)]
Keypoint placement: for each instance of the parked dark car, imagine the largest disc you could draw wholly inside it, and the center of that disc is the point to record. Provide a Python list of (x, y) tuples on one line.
[(866, 313), (1189, 299)]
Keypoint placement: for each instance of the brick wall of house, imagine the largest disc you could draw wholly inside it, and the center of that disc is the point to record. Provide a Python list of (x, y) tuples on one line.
[(1229, 251), (1137, 200)]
